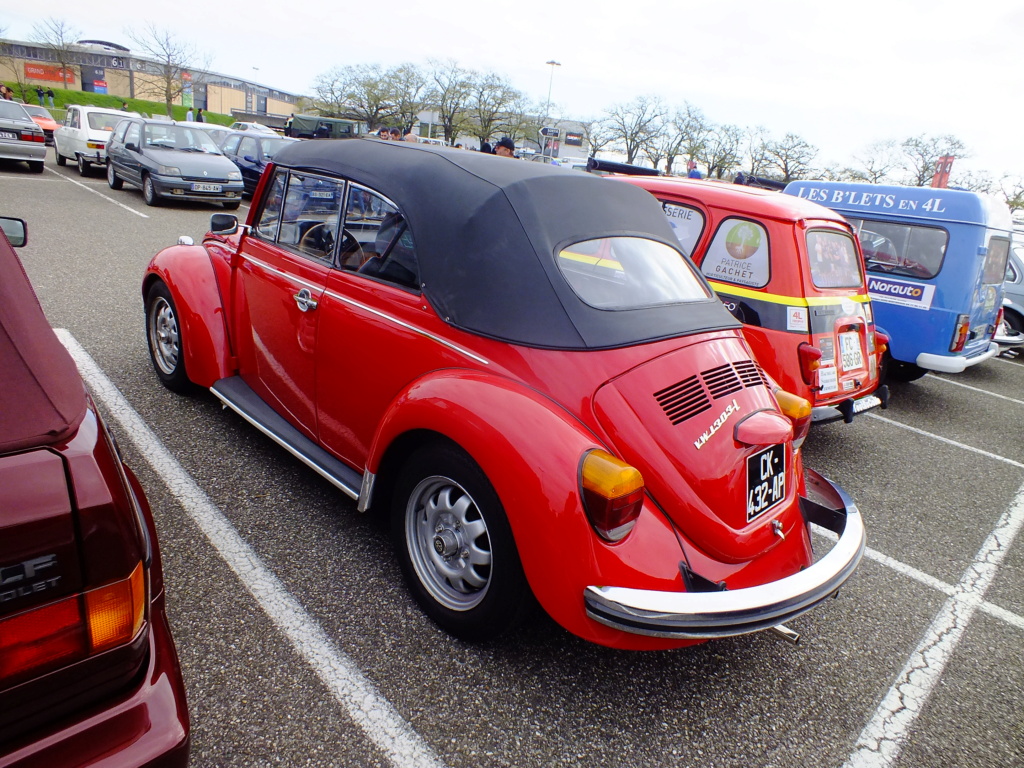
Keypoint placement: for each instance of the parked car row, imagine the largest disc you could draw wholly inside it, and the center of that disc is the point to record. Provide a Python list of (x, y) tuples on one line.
[(20, 137)]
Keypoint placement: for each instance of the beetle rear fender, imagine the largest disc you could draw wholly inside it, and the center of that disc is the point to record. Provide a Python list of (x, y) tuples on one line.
[(188, 272), (530, 449)]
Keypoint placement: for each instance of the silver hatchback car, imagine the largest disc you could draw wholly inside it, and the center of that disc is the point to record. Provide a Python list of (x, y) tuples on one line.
[(20, 137)]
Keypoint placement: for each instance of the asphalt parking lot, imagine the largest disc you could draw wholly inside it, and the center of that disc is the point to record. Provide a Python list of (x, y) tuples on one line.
[(300, 645)]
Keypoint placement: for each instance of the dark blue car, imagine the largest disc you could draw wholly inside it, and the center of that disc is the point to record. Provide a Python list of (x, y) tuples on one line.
[(251, 152)]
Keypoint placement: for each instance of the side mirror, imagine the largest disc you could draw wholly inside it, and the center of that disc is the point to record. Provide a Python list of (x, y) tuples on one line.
[(223, 224), (249, 159), (15, 229)]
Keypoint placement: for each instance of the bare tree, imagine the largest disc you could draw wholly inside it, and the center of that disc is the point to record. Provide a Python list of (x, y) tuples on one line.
[(791, 156), (410, 90), (921, 153), (176, 60), (876, 163), (491, 97), (720, 153), (360, 92), (694, 130), (451, 91), (758, 160), (1012, 189), (59, 37), (597, 133), (634, 125), (666, 144), (520, 121)]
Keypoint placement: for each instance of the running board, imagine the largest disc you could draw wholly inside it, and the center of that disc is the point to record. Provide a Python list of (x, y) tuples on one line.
[(239, 397)]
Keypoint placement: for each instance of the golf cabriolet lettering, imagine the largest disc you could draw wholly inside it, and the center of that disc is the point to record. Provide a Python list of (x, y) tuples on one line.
[(732, 408)]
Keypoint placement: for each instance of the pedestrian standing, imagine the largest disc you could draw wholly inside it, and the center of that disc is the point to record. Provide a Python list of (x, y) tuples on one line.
[(188, 115), (49, 95), (40, 94), (199, 116)]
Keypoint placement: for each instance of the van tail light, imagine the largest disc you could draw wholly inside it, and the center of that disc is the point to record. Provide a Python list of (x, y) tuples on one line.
[(43, 639), (810, 362), (797, 410), (881, 342), (1000, 316), (612, 492), (960, 333)]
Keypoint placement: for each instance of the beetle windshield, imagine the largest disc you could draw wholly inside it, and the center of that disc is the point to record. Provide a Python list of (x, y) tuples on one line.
[(629, 273)]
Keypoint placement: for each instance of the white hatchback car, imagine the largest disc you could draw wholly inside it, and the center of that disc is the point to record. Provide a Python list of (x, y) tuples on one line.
[(83, 136)]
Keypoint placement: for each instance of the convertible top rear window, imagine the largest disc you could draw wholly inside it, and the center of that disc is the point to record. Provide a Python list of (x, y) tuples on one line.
[(629, 273)]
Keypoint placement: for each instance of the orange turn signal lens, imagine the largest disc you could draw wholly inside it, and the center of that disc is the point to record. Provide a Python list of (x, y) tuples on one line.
[(613, 494), (794, 406), (116, 612)]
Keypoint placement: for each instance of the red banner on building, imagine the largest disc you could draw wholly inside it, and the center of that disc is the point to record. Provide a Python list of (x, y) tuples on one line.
[(48, 72)]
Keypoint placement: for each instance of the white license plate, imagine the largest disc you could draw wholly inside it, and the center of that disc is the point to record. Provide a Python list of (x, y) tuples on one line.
[(828, 379), (206, 187), (849, 348), (766, 480), (8, 135), (866, 403), (322, 194)]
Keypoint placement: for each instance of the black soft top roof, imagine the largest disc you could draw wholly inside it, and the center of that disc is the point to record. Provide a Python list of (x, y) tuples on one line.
[(488, 228)]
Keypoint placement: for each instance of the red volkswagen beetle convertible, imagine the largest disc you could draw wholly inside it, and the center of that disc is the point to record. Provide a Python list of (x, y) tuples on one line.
[(518, 365)]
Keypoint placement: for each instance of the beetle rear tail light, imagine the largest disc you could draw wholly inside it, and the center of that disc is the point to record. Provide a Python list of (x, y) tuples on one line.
[(960, 333), (797, 410), (43, 639), (613, 493), (810, 362)]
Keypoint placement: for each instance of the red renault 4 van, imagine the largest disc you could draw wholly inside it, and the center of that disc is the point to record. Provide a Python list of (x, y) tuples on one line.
[(792, 272)]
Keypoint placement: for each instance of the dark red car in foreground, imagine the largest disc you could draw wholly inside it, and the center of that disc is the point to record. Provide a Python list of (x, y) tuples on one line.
[(88, 672)]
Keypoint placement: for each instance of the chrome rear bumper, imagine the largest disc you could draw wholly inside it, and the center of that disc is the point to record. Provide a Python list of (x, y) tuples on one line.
[(705, 615)]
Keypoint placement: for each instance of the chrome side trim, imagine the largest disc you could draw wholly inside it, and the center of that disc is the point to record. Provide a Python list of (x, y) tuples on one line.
[(290, 278), (706, 615), (408, 326)]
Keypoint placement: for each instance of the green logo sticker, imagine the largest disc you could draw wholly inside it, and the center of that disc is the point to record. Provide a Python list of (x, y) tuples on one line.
[(743, 240)]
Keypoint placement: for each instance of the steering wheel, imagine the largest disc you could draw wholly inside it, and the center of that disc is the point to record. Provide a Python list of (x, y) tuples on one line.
[(325, 236), (352, 255)]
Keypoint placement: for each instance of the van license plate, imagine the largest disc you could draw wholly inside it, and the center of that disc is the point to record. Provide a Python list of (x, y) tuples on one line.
[(766, 480), (206, 187), (849, 347)]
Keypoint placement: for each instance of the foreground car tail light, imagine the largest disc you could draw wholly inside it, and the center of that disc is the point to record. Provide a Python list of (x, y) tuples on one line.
[(810, 362), (999, 321), (881, 342), (960, 333), (798, 410), (42, 639), (613, 493)]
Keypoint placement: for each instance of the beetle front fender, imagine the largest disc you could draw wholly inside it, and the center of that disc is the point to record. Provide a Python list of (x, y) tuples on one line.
[(530, 449), (188, 272)]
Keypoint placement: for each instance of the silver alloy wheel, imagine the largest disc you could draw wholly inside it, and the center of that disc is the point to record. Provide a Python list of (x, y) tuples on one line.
[(148, 191), (83, 167), (448, 543), (164, 339)]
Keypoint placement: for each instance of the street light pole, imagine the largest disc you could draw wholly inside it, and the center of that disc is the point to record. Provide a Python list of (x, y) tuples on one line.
[(547, 107)]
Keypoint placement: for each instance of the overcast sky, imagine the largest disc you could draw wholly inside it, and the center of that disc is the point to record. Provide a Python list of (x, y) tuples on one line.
[(840, 75)]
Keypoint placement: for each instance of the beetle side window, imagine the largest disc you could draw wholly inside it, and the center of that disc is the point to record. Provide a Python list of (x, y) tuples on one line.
[(270, 216), (377, 241), (738, 254), (834, 260), (687, 224), (300, 211)]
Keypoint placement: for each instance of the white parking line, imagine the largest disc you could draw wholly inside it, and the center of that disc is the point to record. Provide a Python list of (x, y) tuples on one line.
[(365, 705), (62, 177), (976, 389), (882, 739), (966, 447)]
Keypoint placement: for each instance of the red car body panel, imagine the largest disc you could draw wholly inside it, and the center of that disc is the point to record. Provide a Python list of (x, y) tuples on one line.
[(363, 367), (791, 285)]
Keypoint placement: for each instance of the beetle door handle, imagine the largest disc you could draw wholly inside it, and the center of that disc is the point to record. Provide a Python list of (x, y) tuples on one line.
[(305, 300)]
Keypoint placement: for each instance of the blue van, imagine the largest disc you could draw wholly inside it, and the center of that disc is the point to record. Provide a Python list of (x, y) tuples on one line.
[(935, 261)]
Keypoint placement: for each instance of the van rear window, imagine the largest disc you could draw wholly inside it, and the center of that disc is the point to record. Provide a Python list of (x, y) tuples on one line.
[(834, 260), (995, 261), (901, 249)]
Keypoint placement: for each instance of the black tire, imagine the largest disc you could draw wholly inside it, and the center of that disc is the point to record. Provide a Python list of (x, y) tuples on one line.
[(455, 545), (149, 191), (61, 160), (898, 371), (113, 180), (166, 343), (36, 166), (1014, 320), (83, 167), (232, 206)]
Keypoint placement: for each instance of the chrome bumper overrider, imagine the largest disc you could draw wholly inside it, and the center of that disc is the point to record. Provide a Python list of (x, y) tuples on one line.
[(704, 615)]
